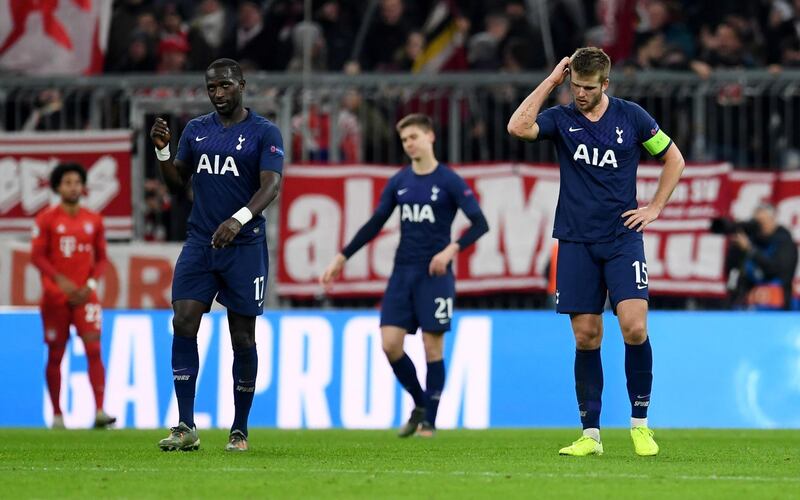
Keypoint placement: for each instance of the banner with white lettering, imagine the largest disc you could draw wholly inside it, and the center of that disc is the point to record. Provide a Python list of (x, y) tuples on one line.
[(26, 160), (323, 206), (139, 275)]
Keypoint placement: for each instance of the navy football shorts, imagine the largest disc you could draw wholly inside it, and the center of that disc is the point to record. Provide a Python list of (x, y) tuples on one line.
[(588, 272), (236, 275), (414, 299)]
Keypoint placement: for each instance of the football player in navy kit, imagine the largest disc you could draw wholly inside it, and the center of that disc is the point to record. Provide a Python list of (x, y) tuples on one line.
[(234, 159), (421, 289), (599, 227)]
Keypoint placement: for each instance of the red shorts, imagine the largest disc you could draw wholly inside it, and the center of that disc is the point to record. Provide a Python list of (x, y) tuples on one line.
[(58, 317)]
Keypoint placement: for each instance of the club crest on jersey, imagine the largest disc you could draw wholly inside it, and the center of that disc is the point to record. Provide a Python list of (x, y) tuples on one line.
[(416, 213), (228, 165), (241, 140), (435, 192), (608, 159), (619, 135), (88, 227)]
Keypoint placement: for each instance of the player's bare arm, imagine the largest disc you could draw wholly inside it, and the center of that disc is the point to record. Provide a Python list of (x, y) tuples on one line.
[(173, 170), (522, 123), (333, 271), (270, 187), (439, 262), (639, 218)]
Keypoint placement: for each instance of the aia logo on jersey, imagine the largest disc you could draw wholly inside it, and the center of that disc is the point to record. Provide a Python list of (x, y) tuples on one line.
[(416, 213), (228, 165), (594, 159)]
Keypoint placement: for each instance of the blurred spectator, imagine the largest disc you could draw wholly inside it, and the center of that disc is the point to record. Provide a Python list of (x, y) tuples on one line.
[(311, 133), (156, 214), (412, 50), (173, 53), (123, 24), (782, 34), (725, 49), (339, 34), (44, 115), (386, 37), (349, 128), (254, 45), (208, 30), (308, 35), (761, 263), (527, 50), (483, 48), (662, 42), (139, 58)]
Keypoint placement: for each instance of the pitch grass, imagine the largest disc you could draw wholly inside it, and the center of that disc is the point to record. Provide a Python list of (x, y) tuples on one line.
[(500, 464)]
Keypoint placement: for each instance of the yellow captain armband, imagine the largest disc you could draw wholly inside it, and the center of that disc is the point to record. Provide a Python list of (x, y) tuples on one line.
[(657, 144)]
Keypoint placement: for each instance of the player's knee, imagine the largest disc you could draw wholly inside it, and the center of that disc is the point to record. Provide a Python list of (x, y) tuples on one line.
[(588, 338), (185, 325), (634, 332), (392, 349), (242, 340)]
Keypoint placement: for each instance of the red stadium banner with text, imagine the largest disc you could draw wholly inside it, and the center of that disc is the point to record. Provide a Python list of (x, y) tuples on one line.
[(683, 258), (26, 160), (322, 207), (139, 275)]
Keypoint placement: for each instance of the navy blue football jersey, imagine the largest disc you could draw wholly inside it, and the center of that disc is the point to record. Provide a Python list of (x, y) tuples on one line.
[(226, 163), (428, 204), (598, 163)]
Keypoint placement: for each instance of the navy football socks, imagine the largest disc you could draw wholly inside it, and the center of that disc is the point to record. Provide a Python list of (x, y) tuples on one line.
[(245, 368), (639, 372), (433, 389), (589, 386), (185, 364), (407, 375)]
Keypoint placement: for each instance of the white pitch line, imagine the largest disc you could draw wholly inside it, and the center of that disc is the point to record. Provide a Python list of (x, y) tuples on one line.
[(407, 472)]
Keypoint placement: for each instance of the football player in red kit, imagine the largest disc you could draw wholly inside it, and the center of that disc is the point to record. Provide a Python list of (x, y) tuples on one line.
[(69, 248)]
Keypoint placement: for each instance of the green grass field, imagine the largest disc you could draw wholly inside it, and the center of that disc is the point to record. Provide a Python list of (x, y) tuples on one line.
[(375, 464)]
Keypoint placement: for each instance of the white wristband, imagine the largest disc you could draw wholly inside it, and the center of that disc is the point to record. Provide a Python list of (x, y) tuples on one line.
[(243, 215), (163, 154), (91, 284)]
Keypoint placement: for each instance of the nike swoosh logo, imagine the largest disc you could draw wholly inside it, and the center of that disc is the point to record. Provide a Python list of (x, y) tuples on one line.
[(181, 370), (642, 397), (641, 287), (198, 139), (401, 192), (575, 129), (260, 303)]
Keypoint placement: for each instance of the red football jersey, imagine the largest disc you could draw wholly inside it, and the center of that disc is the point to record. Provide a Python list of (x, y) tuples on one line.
[(72, 245)]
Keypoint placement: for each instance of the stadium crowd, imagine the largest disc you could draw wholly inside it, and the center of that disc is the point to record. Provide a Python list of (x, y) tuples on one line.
[(169, 36)]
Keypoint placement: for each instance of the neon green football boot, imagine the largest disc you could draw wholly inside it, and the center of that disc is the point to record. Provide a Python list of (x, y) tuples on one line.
[(583, 447), (643, 442)]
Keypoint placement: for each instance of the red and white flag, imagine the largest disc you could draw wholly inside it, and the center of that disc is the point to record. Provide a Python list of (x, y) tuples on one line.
[(49, 37)]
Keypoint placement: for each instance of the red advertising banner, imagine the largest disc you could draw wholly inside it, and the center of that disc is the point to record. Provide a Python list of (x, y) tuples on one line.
[(26, 160), (323, 206), (139, 275)]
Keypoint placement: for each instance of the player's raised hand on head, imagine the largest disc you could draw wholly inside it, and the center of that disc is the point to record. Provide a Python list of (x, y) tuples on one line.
[(160, 134), (225, 233), (560, 72), (640, 218), (333, 271)]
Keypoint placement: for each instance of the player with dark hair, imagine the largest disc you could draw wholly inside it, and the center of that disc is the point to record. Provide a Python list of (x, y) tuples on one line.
[(234, 158), (69, 248), (599, 227), (421, 289)]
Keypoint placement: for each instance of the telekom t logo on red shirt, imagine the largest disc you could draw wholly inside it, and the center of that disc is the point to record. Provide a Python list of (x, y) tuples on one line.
[(67, 245)]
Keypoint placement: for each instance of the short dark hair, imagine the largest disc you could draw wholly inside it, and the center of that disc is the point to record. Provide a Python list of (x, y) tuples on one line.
[(64, 168), (227, 63), (420, 120), (590, 61)]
